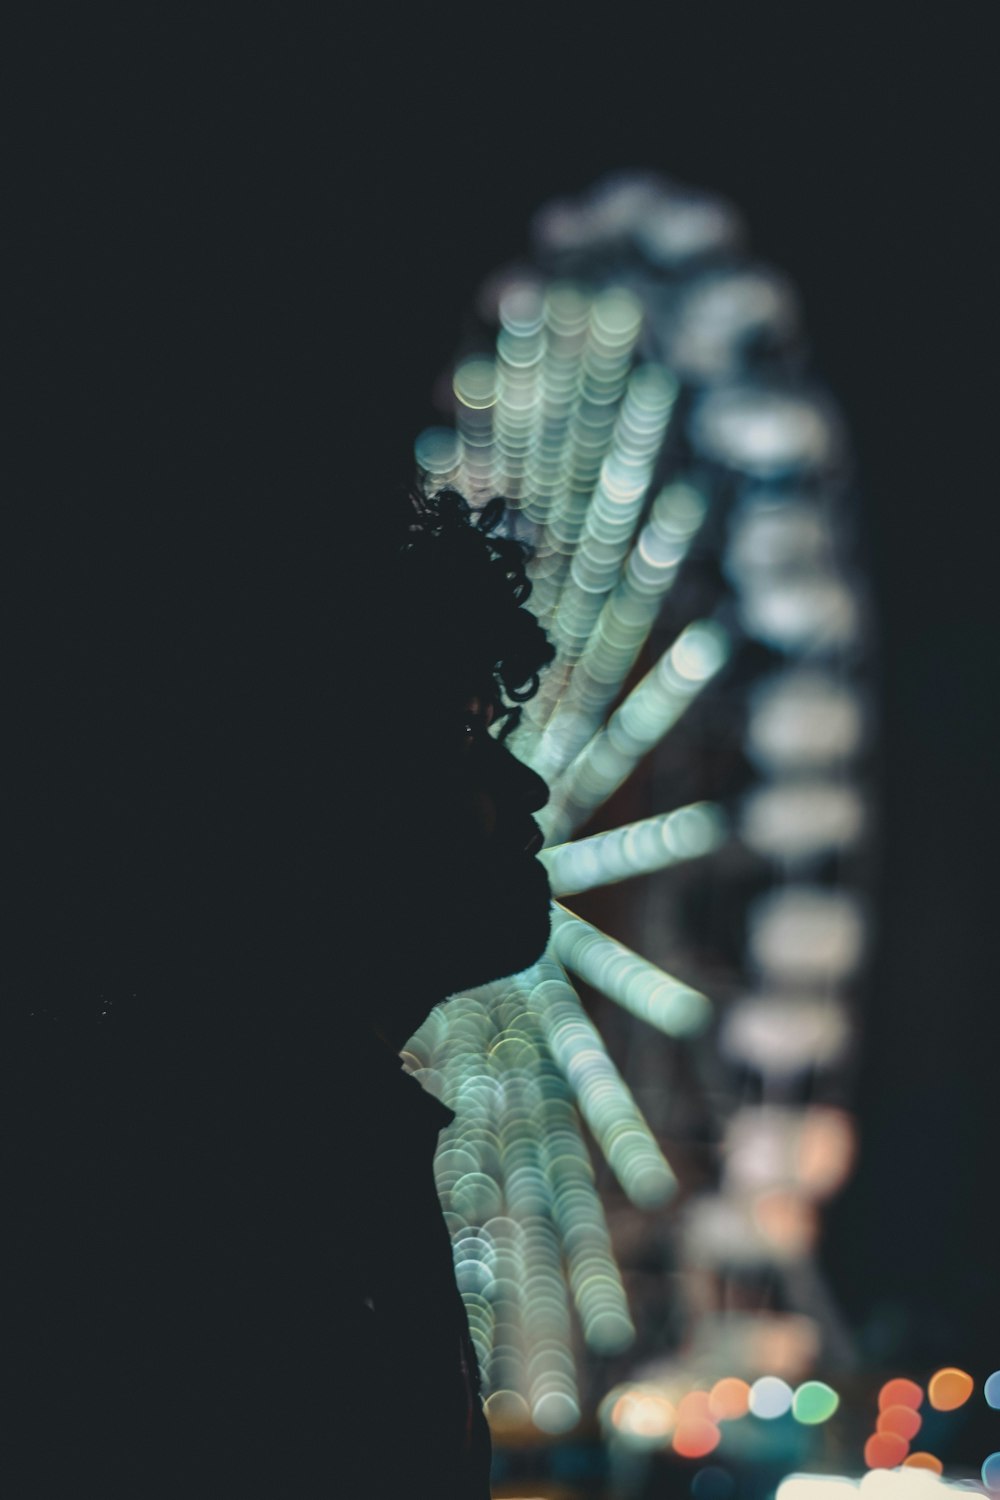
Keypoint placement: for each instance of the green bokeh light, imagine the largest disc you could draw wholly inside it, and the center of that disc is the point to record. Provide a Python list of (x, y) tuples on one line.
[(814, 1402)]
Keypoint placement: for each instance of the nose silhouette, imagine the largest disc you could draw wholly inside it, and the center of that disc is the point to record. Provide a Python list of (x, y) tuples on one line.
[(523, 784)]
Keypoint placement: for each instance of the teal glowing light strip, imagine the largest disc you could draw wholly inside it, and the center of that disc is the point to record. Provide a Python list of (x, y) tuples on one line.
[(614, 508), (615, 318), (578, 1213), (554, 1139), (580, 1218), (547, 1368), (438, 456), (475, 388), (520, 351), (604, 1098), (637, 849), (652, 707), (621, 631), (566, 316), (640, 987)]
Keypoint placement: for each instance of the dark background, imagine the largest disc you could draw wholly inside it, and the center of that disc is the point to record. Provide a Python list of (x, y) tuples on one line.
[(245, 258)]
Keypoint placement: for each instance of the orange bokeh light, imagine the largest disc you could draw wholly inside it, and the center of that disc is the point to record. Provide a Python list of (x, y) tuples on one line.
[(826, 1150), (900, 1393), (902, 1420), (695, 1438), (884, 1450), (949, 1388), (729, 1399), (924, 1461), (694, 1407), (786, 1221)]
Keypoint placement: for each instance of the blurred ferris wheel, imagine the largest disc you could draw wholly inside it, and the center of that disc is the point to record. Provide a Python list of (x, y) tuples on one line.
[(648, 1123)]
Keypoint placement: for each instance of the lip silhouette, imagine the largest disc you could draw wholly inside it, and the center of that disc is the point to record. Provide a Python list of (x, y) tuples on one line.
[(535, 841)]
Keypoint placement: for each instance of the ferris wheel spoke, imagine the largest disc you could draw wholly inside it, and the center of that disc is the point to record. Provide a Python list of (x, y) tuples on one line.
[(623, 625), (594, 1277), (638, 848), (613, 511), (615, 316), (532, 1294), (604, 1098), (542, 1005), (652, 708), (640, 987), (566, 321)]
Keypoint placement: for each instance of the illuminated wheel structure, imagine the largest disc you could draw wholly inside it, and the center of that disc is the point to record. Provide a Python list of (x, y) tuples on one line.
[(648, 1123)]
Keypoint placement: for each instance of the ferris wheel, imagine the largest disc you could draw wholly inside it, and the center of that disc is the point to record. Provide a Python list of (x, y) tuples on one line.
[(650, 1119)]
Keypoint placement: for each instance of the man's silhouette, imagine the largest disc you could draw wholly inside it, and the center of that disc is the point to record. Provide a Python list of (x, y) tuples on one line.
[(274, 843)]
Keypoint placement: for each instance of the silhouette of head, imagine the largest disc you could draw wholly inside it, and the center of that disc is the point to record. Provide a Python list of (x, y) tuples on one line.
[(468, 899), (262, 761)]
